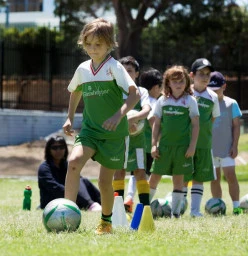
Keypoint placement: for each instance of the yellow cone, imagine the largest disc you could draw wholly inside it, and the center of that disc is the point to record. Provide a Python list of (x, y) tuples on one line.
[(147, 222)]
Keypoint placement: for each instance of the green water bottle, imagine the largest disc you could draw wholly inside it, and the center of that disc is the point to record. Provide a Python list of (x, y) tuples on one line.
[(27, 198)]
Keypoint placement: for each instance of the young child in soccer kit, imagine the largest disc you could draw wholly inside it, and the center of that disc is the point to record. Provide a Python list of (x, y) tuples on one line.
[(101, 81), (150, 79), (226, 132), (208, 105), (177, 124), (136, 154)]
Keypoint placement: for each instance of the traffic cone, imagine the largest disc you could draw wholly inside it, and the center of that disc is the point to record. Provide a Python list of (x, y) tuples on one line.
[(147, 222), (119, 215), (137, 216)]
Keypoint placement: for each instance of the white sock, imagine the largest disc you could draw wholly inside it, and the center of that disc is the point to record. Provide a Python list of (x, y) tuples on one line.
[(235, 204), (185, 191), (196, 197), (152, 193), (177, 198), (131, 190)]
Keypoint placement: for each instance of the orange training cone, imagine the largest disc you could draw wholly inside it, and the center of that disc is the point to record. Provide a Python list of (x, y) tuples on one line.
[(147, 222)]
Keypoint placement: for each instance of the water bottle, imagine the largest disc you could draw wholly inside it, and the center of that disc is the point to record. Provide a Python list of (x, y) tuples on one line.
[(27, 198)]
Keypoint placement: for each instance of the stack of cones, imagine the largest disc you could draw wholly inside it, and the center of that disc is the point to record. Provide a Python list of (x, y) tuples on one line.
[(142, 219), (119, 214)]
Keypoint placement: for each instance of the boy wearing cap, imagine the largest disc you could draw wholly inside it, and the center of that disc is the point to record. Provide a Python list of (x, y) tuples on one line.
[(209, 109), (226, 131)]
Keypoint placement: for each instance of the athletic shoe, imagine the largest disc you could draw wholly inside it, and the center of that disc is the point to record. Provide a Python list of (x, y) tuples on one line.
[(128, 204), (95, 207), (104, 227), (237, 211), (196, 214), (175, 216)]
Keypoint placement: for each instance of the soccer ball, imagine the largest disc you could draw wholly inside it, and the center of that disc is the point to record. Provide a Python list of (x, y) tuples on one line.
[(215, 206), (139, 126), (160, 208), (244, 203), (61, 215)]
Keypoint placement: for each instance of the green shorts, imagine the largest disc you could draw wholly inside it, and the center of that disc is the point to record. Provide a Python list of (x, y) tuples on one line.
[(204, 169), (172, 161), (110, 153)]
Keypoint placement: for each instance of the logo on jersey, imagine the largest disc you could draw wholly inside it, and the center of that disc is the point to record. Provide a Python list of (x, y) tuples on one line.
[(172, 112), (109, 72), (201, 103), (94, 91), (185, 165), (131, 160), (115, 159)]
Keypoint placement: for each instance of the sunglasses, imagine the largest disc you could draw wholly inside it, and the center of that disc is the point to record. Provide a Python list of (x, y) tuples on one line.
[(60, 147)]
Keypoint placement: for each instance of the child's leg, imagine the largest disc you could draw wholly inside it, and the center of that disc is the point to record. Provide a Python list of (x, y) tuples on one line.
[(106, 190), (142, 186), (196, 197), (177, 195), (119, 182), (153, 183), (131, 187), (78, 158), (215, 185)]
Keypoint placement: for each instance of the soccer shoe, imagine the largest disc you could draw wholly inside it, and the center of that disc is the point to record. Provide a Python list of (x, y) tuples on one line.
[(237, 211), (95, 207), (104, 227), (128, 204), (196, 214), (175, 216)]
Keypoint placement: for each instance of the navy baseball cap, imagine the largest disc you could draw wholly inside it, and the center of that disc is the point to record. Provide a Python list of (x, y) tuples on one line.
[(200, 64), (216, 80)]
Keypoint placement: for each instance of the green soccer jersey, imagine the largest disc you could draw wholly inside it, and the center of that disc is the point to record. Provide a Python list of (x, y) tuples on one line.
[(208, 105), (102, 92), (175, 115)]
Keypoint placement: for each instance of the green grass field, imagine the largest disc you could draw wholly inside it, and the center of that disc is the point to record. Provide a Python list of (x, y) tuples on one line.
[(23, 233)]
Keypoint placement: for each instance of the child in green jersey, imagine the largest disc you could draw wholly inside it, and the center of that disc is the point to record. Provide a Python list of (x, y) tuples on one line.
[(174, 134), (208, 105), (101, 81), (136, 153)]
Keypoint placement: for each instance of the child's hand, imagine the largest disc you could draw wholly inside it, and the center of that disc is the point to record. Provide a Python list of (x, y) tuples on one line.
[(155, 152), (190, 152), (233, 152), (111, 123), (67, 128)]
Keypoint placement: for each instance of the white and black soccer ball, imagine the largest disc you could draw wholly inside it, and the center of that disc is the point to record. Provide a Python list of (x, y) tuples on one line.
[(61, 215), (244, 203), (139, 125), (215, 206), (160, 208)]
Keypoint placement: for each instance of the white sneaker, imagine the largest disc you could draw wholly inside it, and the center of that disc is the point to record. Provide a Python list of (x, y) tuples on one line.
[(95, 207), (196, 214)]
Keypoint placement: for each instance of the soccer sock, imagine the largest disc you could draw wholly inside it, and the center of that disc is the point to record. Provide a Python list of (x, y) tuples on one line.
[(143, 191), (185, 191), (235, 204), (177, 197), (131, 187), (119, 186), (196, 197), (152, 193), (107, 218)]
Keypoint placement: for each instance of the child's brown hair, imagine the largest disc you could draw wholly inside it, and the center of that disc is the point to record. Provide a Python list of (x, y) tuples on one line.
[(175, 73), (100, 28)]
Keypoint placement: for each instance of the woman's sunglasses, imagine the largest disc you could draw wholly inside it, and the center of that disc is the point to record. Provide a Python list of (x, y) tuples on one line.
[(60, 147)]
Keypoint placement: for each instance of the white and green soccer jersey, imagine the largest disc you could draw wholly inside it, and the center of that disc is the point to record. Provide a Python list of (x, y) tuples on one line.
[(175, 115), (102, 92), (208, 105)]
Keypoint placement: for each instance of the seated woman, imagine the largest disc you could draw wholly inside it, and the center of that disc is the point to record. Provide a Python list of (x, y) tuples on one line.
[(52, 173)]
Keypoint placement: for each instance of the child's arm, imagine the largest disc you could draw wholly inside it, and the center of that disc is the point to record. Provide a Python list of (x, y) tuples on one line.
[(194, 136), (132, 99), (73, 103), (155, 137), (235, 134)]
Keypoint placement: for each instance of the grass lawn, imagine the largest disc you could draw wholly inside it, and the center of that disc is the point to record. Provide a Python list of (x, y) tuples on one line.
[(22, 232)]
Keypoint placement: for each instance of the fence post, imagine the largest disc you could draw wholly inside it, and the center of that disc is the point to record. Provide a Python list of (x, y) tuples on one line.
[(1, 72)]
